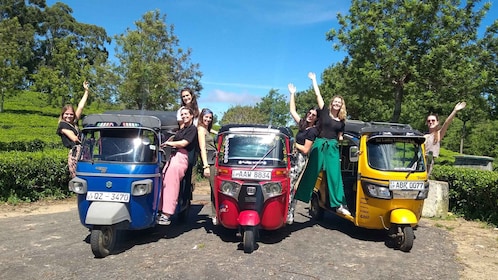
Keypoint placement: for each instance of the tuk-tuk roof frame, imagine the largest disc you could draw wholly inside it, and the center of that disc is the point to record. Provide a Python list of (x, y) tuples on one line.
[(358, 128), (282, 129), (167, 119)]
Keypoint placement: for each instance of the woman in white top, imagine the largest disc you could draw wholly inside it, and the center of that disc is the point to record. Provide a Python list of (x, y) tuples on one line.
[(436, 133), (188, 100)]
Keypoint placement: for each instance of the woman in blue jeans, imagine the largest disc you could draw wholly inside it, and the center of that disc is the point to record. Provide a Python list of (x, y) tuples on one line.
[(325, 152)]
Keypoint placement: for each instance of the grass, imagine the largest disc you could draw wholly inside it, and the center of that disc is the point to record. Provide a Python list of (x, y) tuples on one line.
[(27, 116)]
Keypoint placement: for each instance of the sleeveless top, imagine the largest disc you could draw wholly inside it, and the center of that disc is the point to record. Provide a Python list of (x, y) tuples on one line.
[(209, 141), (430, 146)]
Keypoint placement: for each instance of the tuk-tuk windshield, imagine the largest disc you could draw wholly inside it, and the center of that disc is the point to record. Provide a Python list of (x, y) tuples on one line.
[(263, 150), (395, 154), (134, 145)]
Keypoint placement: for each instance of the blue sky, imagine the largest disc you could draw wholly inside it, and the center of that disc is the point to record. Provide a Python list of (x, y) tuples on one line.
[(244, 48)]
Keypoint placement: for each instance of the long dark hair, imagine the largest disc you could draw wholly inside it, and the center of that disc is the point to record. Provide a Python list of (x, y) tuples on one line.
[(193, 104), (303, 124), (204, 112)]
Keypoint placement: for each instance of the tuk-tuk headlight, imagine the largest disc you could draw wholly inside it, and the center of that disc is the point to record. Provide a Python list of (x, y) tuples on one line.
[(272, 189), (142, 187), (78, 185), (230, 188), (378, 191)]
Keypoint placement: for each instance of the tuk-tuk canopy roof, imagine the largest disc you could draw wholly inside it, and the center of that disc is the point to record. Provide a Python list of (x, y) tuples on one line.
[(167, 118), (253, 127), (357, 128), (133, 118)]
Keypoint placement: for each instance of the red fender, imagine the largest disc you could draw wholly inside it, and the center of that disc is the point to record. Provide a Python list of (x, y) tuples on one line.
[(249, 218)]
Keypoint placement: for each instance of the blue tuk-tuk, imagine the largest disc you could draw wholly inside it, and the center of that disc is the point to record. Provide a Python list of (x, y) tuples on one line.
[(119, 174)]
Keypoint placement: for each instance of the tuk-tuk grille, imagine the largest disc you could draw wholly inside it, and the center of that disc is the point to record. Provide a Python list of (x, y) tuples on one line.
[(250, 202)]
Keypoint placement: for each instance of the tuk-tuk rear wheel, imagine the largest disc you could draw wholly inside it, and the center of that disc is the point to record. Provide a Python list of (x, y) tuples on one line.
[(183, 215), (316, 212), (102, 240), (249, 239)]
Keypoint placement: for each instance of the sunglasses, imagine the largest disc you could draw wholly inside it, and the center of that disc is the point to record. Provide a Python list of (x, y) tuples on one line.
[(312, 114), (431, 121), (207, 111)]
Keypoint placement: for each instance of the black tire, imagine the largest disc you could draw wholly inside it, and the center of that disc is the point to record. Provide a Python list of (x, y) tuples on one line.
[(316, 212), (249, 240), (102, 240), (183, 215), (406, 241)]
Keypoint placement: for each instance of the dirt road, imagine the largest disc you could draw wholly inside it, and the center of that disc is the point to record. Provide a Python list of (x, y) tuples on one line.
[(45, 239)]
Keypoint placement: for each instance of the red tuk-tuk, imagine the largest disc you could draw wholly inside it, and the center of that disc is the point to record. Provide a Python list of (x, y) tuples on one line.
[(252, 184)]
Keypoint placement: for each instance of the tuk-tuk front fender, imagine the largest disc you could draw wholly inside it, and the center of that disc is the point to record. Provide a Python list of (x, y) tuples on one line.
[(249, 218), (107, 213), (403, 217)]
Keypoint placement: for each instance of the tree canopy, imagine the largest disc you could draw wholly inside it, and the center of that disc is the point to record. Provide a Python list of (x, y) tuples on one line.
[(152, 66), (410, 57)]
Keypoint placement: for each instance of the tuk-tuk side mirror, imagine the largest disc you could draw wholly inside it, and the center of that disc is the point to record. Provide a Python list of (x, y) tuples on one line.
[(353, 154)]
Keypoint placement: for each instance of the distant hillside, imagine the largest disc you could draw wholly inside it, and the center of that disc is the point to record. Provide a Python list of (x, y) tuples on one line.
[(27, 117)]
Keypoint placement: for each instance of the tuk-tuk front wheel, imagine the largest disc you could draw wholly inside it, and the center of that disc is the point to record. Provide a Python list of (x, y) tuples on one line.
[(404, 238), (316, 212), (249, 239), (102, 240)]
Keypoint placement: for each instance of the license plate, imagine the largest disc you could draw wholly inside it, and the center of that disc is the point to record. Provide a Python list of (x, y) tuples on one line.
[(251, 174), (108, 196), (406, 185)]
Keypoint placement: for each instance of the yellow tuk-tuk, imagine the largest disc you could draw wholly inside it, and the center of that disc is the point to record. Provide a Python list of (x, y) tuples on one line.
[(385, 179)]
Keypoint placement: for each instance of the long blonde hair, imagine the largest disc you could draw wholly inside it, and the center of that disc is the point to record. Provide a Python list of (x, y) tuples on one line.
[(342, 112)]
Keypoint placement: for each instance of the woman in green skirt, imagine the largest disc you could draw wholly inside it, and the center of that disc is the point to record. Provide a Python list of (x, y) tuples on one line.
[(325, 152)]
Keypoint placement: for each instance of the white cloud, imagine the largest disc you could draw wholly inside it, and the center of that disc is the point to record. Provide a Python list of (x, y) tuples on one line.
[(245, 98)]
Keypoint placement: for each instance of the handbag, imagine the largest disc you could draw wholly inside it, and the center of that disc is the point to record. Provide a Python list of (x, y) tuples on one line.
[(211, 156)]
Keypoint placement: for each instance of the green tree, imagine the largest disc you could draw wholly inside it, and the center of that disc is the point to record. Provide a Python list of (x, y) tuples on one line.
[(243, 115), (275, 108), (410, 55), (11, 57), (152, 67), (69, 52)]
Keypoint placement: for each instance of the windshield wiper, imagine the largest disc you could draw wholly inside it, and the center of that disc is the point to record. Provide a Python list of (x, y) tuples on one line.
[(266, 154), (415, 164)]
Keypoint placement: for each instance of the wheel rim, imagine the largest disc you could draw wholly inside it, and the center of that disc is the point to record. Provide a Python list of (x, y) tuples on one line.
[(102, 241)]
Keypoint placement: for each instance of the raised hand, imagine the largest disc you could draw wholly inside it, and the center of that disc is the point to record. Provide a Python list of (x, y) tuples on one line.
[(86, 85), (292, 88), (312, 76), (460, 105)]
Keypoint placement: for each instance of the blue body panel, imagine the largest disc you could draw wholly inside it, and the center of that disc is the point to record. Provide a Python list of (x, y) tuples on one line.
[(118, 177)]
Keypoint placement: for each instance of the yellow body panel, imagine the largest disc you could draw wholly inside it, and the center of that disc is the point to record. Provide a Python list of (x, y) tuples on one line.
[(372, 212)]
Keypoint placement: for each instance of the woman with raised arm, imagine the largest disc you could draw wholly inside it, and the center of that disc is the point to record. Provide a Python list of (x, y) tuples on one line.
[(325, 151), (69, 132), (435, 135), (307, 132)]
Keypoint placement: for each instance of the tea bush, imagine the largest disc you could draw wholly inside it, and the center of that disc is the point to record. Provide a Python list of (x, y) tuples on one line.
[(473, 193), (30, 176)]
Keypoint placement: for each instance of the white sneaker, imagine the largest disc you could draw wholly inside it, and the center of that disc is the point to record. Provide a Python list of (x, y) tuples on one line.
[(343, 210), (214, 220), (290, 217), (164, 220)]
